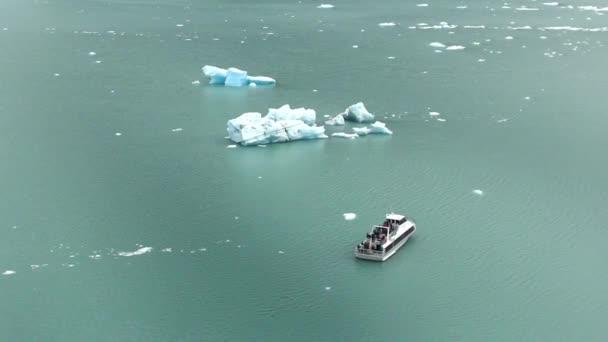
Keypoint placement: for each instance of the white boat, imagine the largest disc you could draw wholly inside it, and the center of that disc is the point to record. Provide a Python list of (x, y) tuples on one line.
[(384, 240)]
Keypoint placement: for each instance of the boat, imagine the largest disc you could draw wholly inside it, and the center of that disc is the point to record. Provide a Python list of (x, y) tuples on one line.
[(384, 240)]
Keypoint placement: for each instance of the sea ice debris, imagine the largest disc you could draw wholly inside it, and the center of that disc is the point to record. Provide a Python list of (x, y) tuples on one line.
[(478, 192), (234, 77), (140, 251), (325, 6), (8, 272), (345, 135), (358, 113), (455, 48), (349, 216)]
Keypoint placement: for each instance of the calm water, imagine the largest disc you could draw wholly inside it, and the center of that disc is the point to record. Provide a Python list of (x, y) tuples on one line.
[(250, 244)]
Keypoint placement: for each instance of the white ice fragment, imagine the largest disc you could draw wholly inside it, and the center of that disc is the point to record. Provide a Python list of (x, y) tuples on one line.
[(176, 130), (508, 38), (442, 120), (327, 288), (478, 192), (379, 128), (56, 75), (355, 46), (434, 113), (117, 134), (337, 120), (97, 62), (281, 252), (550, 3), (390, 57), (481, 60), (437, 45), (8, 272), (252, 85), (325, 6), (231, 146), (345, 135), (455, 48), (179, 25), (140, 251), (349, 216), (92, 53), (422, 5), (389, 24), (358, 113), (361, 130), (197, 82)]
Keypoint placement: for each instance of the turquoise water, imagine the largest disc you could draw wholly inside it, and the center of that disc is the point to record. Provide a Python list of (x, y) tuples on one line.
[(270, 258)]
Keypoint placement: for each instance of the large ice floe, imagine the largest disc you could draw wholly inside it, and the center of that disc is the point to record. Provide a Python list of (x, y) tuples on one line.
[(233, 77), (279, 125)]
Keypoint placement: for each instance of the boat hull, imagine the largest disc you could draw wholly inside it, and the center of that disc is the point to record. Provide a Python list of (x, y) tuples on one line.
[(382, 256)]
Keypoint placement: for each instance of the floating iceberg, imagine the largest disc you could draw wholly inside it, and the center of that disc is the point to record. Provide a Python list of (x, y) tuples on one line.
[(361, 130), (376, 128), (345, 135), (308, 116), (234, 77), (280, 125), (358, 113), (338, 120)]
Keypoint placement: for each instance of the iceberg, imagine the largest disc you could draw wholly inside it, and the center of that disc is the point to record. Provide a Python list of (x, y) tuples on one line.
[(376, 128), (358, 113), (234, 77), (338, 120), (361, 130), (345, 135), (216, 75), (308, 116), (380, 128), (279, 125)]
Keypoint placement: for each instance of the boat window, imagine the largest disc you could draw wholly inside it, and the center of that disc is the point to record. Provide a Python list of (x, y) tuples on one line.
[(403, 220)]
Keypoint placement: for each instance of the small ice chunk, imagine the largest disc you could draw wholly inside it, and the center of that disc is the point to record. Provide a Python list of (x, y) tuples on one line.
[(231, 146), (179, 25), (337, 120), (8, 272), (379, 128), (508, 38), (355, 46), (97, 62), (422, 5), (261, 80), (391, 57), (325, 6), (388, 24), (252, 85), (349, 216), (361, 130), (527, 98), (481, 60), (140, 251), (437, 45), (281, 252), (236, 77), (197, 82), (327, 288), (92, 53), (56, 75), (176, 130), (434, 113), (441, 120), (345, 135), (117, 134), (455, 48), (358, 113), (478, 192)]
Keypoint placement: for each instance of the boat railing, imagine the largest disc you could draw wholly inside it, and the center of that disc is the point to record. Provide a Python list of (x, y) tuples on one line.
[(369, 251)]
